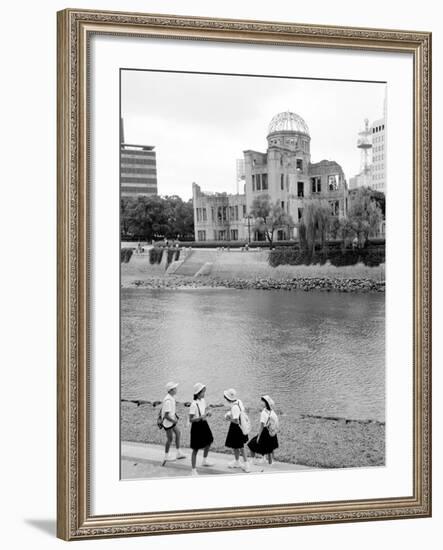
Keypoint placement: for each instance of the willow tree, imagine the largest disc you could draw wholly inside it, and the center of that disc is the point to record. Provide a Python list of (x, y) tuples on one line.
[(314, 224), (269, 216), (324, 220)]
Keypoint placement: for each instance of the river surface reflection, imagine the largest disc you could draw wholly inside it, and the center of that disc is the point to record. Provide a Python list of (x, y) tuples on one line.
[(313, 352)]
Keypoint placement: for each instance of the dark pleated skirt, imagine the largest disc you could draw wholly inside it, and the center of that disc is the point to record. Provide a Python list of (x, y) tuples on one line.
[(201, 435), (235, 438), (266, 445)]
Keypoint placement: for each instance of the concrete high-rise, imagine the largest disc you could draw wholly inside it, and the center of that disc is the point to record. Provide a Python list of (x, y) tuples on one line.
[(138, 168), (378, 173)]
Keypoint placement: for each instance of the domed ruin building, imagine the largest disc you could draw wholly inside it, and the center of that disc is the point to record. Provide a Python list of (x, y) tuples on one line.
[(285, 173)]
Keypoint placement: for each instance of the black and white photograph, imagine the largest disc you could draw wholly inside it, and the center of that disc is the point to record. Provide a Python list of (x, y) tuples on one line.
[(219, 300), (252, 273)]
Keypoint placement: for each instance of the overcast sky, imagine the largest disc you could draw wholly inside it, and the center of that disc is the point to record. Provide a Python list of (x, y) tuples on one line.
[(200, 124)]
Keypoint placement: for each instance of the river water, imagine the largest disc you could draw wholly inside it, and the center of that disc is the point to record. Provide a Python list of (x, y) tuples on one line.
[(314, 352)]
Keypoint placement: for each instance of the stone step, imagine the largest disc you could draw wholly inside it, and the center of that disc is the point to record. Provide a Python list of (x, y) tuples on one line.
[(194, 262)]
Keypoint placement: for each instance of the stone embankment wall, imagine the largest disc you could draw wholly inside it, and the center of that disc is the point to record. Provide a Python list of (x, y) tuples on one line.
[(242, 266), (254, 264)]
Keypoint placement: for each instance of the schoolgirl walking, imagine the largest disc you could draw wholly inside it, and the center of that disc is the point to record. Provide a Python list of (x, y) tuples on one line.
[(266, 441), (169, 422), (201, 435), (236, 438)]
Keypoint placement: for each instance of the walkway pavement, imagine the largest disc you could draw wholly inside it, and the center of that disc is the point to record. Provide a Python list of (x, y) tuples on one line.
[(146, 460)]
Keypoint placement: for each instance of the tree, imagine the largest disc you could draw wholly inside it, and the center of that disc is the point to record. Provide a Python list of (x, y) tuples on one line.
[(150, 217), (380, 199), (378, 196), (364, 214), (345, 231), (269, 217), (315, 223), (324, 219), (180, 218), (335, 227), (124, 209)]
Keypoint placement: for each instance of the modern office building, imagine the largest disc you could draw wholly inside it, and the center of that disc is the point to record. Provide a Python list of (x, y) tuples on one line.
[(138, 168), (284, 173), (379, 155)]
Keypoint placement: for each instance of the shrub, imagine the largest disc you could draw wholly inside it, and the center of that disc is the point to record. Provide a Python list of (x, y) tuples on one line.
[(374, 256), (152, 256), (125, 255), (287, 256), (159, 255), (171, 255), (371, 256), (345, 257), (155, 255)]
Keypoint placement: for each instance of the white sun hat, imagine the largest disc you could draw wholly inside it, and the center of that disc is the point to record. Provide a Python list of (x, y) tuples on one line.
[(198, 387), (230, 395), (171, 385), (268, 400)]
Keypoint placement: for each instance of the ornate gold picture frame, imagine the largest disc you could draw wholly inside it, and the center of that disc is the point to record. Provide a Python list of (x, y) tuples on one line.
[(74, 516)]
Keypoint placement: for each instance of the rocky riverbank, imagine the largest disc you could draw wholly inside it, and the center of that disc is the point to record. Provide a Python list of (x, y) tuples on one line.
[(295, 283), (316, 441)]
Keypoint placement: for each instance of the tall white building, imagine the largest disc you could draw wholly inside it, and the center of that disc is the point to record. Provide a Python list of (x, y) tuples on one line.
[(378, 172), (138, 168)]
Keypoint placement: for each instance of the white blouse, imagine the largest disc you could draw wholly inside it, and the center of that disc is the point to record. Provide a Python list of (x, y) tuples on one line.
[(265, 415), (198, 407), (168, 406)]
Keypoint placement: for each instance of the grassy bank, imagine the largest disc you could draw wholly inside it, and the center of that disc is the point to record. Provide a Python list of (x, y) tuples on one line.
[(311, 441)]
